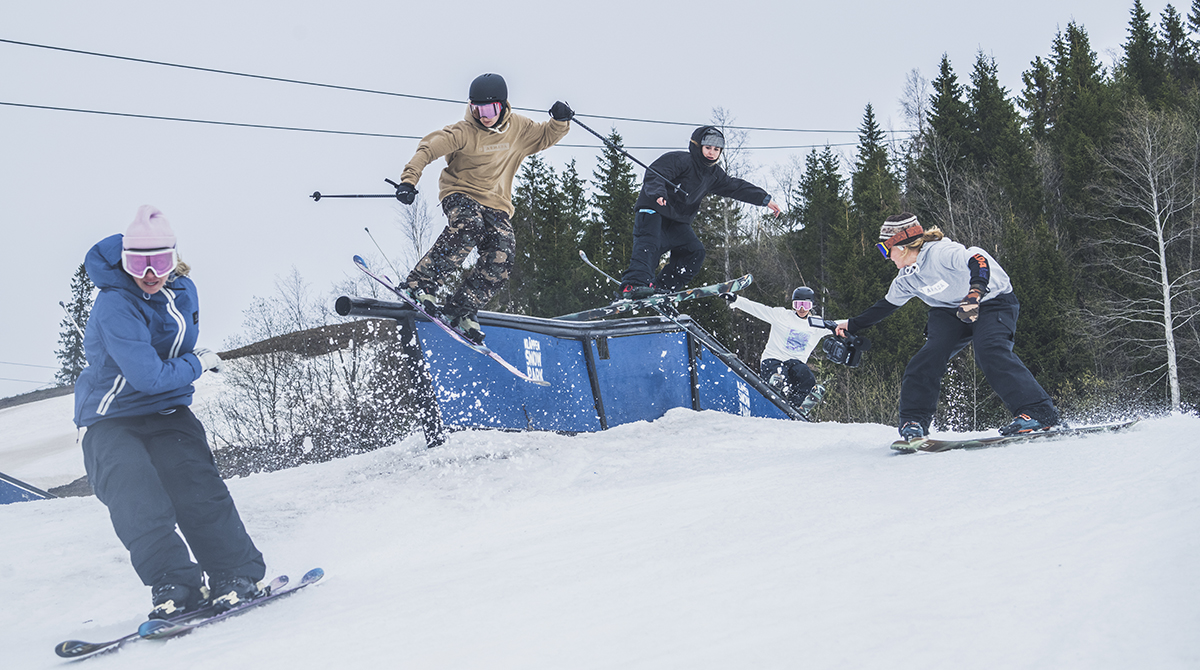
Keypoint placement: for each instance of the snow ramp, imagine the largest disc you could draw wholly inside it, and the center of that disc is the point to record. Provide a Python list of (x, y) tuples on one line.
[(600, 373)]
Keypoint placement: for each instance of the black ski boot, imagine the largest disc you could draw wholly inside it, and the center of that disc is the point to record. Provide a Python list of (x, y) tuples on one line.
[(631, 291), (171, 600), (229, 592)]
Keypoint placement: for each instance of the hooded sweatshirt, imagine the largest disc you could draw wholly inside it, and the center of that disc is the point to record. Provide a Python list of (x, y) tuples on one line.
[(138, 346), (480, 161), (696, 175)]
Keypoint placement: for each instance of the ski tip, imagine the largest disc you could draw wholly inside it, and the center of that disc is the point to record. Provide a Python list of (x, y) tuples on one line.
[(358, 260), (312, 575), (72, 648)]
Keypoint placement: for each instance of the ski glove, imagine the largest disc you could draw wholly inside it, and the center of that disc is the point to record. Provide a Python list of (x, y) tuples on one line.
[(729, 297), (968, 309), (406, 193), (209, 360), (561, 111)]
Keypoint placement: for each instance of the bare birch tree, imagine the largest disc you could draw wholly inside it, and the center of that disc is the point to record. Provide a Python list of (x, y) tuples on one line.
[(1150, 195)]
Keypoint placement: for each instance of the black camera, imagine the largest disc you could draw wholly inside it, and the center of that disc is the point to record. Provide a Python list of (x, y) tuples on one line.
[(846, 350)]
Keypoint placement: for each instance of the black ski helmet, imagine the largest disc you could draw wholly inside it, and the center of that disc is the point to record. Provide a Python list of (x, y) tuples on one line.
[(804, 293), (488, 88)]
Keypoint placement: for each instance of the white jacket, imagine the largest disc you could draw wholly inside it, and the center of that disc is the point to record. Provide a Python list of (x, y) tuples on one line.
[(791, 337)]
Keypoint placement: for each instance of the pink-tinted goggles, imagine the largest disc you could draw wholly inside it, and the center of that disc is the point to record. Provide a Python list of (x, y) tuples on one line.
[(487, 110), (802, 305), (159, 261)]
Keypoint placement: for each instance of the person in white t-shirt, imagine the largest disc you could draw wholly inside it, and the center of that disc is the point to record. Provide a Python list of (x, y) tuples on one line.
[(792, 340)]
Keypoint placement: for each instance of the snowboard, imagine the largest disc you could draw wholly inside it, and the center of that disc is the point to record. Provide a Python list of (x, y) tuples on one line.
[(450, 330), (934, 445), (660, 300)]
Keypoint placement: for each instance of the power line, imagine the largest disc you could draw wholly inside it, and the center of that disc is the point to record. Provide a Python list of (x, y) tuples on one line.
[(395, 94), (26, 381), (29, 365), (330, 132)]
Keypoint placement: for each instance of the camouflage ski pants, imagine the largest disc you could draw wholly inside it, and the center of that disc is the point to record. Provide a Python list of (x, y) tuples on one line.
[(469, 226)]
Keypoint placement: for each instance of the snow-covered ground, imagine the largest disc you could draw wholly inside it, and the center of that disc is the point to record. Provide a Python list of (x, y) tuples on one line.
[(700, 540)]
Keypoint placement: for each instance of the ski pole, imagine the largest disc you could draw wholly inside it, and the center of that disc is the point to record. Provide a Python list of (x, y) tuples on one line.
[(592, 265), (76, 323), (317, 195), (627, 155), (389, 261)]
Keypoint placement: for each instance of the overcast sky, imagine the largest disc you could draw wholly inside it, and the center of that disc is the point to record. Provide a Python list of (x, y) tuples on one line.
[(237, 197)]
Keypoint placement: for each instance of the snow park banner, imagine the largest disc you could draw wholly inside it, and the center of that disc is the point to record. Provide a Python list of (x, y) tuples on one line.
[(14, 490), (600, 373)]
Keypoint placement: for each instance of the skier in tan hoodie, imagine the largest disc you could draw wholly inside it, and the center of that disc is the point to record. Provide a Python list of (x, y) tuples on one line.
[(483, 153)]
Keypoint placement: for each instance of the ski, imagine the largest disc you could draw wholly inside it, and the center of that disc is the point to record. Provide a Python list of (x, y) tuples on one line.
[(664, 300), (450, 330), (933, 445), (157, 629), (78, 649)]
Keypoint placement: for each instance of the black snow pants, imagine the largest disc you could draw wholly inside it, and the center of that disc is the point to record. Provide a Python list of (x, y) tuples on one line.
[(653, 236), (992, 336), (799, 377), (155, 472)]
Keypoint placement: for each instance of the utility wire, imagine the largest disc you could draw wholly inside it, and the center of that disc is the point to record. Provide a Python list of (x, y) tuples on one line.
[(331, 132), (394, 94), (29, 365), (26, 381)]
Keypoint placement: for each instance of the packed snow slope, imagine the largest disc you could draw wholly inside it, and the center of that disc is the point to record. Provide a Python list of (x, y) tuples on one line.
[(699, 540)]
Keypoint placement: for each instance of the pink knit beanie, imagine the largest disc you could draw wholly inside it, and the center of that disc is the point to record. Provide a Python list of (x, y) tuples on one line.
[(149, 230)]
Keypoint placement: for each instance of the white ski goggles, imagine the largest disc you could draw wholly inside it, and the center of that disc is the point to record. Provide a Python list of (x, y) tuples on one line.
[(159, 261)]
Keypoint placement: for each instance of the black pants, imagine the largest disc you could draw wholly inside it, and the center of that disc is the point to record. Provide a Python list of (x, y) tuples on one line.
[(156, 471), (799, 377), (653, 236), (992, 336)]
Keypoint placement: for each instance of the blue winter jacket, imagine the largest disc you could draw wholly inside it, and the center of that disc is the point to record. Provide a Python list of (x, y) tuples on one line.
[(138, 346)]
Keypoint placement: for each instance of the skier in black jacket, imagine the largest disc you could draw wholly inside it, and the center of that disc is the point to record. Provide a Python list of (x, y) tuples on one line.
[(664, 214)]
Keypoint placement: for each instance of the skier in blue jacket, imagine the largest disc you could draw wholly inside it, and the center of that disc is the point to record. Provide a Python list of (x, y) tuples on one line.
[(146, 454)]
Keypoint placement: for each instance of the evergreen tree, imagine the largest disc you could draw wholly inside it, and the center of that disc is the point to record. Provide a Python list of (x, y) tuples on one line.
[(1193, 20), (609, 237), (997, 145), (1081, 116), (1036, 98), (822, 209), (537, 225), (70, 339), (1179, 55), (949, 114), (1142, 66)]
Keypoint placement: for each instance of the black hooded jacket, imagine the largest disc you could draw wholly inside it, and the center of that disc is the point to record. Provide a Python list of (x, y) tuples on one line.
[(696, 175)]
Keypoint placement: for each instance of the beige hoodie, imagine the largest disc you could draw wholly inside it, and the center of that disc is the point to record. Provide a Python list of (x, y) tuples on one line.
[(480, 161)]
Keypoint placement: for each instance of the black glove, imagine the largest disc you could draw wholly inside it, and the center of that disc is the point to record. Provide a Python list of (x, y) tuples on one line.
[(729, 297), (406, 193), (968, 309), (561, 111)]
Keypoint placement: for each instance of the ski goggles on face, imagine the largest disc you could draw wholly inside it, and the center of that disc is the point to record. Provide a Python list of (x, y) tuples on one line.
[(159, 261), (802, 305), (487, 110), (882, 249)]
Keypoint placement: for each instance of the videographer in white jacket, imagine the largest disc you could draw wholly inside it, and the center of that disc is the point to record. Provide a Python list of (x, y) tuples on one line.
[(792, 340)]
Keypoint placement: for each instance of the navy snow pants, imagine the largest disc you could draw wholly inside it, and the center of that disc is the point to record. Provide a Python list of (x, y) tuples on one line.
[(992, 336), (154, 472), (653, 236)]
